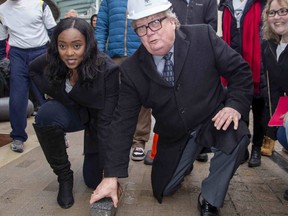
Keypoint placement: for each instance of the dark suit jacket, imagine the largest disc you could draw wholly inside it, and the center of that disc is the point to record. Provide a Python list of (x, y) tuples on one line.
[(200, 58), (95, 104)]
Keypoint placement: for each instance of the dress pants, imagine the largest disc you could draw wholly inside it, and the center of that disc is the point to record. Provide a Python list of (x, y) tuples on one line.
[(222, 169)]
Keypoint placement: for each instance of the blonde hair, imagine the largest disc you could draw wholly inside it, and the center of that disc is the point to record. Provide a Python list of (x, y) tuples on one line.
[(268, 32)]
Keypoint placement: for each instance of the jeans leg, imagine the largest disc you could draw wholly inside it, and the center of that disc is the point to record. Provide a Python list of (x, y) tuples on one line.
[(282, 136), (92, 170), (55, 113), (18, 98)]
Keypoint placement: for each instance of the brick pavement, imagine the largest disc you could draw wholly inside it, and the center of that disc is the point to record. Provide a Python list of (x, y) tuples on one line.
[(28, 187)]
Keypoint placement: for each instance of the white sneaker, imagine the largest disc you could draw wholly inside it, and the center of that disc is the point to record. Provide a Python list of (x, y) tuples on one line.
[(138, 154), (17, 146)]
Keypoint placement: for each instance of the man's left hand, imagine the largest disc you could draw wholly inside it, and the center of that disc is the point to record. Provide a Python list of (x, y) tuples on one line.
[(225, 117)]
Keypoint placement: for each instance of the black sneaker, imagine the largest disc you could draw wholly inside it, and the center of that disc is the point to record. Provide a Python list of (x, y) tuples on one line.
[(138, 154)]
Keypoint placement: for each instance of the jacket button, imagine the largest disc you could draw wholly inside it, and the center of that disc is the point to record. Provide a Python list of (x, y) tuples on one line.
[(182, 110), (178, 87)]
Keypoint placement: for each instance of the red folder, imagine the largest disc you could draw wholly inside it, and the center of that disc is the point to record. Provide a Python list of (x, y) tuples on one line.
[(281, 109)]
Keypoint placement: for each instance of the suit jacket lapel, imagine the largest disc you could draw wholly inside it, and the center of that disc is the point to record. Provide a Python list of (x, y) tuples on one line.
[(181, 47), (148, 66)]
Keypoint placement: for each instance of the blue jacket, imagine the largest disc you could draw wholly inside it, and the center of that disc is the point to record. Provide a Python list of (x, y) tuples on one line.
[(115, 30)]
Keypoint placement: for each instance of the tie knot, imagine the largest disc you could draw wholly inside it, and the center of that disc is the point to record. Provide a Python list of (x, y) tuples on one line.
[(168, 56)]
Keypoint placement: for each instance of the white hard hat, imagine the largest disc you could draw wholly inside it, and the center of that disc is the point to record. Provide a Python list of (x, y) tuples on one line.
[(138, 9)]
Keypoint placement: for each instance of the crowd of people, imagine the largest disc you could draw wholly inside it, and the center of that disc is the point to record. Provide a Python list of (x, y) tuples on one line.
[(139, 58)]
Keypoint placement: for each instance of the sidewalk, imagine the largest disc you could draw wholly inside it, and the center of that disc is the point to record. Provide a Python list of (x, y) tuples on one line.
[(28, 187)]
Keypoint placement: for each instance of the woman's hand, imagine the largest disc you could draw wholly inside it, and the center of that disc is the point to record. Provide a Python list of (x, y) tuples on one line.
[(224, 118)]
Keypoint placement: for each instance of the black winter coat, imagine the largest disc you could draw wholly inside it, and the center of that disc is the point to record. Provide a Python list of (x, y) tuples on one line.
[(277, 72), (196, 12), (95, 104), (200, 58)]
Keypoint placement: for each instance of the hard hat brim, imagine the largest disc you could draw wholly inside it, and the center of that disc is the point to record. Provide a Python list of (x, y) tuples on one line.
[(149, 12)]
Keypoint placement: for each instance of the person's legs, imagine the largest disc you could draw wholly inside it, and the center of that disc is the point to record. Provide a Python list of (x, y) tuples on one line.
[(18, 98), (258, 109), (92, 170), (142, 134), (222, 169), (51, 123), (282, 136)]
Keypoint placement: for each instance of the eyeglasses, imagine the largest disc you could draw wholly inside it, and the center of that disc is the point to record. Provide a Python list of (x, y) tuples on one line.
[(280, 12), (154, 25)]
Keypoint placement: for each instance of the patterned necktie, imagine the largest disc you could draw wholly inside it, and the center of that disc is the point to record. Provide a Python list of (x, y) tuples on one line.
[(168, 73)]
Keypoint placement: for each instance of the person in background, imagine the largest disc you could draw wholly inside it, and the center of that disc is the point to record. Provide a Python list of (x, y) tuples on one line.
[(241, 26), (82, 86), (71, 13), (275, 33), (176, 71), (116, 37), (28, 25), (190, 12), (93, 21)]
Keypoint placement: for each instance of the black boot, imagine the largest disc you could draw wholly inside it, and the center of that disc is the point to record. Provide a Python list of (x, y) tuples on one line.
[(52, 142), (255, 159)]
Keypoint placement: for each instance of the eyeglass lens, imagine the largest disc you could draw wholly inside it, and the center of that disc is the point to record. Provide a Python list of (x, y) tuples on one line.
[(154, 25), (280, 12)]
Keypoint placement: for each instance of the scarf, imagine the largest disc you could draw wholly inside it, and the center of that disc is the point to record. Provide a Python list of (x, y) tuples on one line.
[(251, 47)]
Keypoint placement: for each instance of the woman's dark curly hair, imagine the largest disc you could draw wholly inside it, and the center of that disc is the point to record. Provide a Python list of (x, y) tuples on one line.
[(57, 71)]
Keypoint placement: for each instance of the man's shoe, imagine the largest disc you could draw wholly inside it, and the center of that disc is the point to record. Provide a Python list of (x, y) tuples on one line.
[(267, 146), (286, 195), (205, 208), (138, 154), (255, 159), (17, 146), (148, 160), (246, 157), (202, 157)]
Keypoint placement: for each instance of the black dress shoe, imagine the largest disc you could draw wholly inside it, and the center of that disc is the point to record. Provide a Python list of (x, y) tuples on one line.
[(202, 157), (255, 159), (205, 208)]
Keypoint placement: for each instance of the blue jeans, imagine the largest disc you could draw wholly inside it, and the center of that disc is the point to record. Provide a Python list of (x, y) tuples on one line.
[(68, 118), (282, 135), (19, 89)]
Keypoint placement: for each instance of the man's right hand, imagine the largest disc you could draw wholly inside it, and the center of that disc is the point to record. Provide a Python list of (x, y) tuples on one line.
[(107, 188)]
